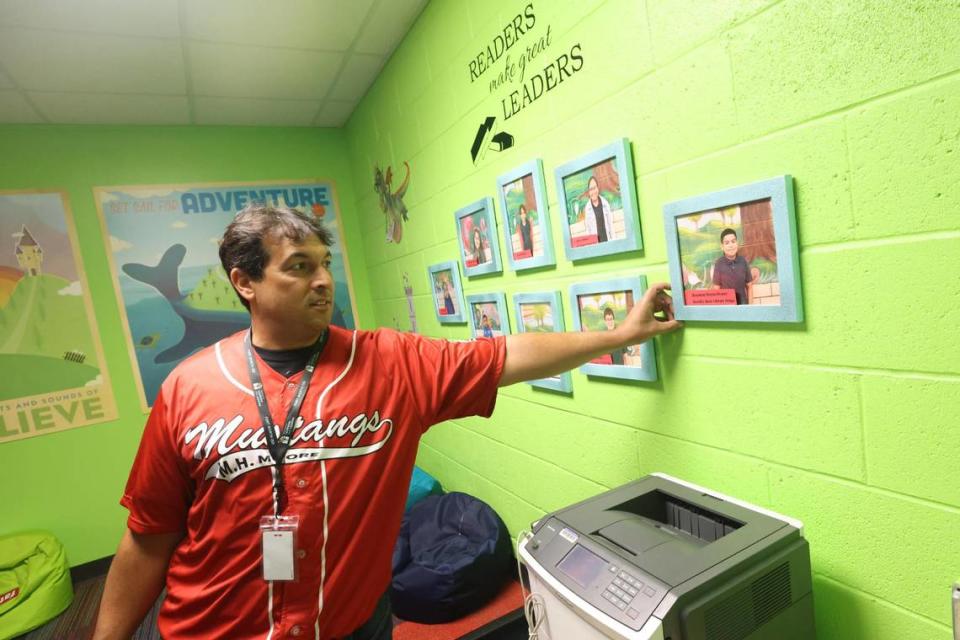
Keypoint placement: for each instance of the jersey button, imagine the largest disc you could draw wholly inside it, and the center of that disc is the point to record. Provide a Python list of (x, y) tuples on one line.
[(296, 630), (301, 483), (302, 553)]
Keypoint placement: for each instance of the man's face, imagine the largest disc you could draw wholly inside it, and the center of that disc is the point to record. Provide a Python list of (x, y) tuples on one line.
[(730, 246), (609, 321), (594, 192), (297, 286)]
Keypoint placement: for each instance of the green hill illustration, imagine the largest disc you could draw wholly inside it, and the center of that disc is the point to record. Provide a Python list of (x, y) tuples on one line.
[(45, 340)]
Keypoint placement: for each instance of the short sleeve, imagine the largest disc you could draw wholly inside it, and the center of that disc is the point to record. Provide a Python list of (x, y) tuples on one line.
[(448, 379), (159, 490)]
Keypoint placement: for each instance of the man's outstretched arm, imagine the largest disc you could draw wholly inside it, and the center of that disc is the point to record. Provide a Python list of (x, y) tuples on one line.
[(135, 580), (541, 355)]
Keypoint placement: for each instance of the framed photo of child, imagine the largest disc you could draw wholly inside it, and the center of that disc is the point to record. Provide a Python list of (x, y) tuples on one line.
[(477, 238), (488, 315), (447, 292), (733, 254), (542, 313), (525, 218), (598, 203), (602, 306)]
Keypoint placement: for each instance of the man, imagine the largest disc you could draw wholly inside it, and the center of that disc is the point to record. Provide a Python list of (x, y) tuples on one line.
[(207, 499), (609, 321), (731, 270)]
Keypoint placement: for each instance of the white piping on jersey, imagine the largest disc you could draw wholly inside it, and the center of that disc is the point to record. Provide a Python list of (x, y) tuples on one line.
[(270, 608), (326, 505), (226, 372)]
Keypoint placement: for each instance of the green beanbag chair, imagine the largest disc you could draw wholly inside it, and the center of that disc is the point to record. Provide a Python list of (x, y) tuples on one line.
[(35, 581)]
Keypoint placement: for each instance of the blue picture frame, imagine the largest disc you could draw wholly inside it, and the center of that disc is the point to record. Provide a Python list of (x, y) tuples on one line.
[(447, 292), (762, 217), (478, 303), (639, 362), (478, 218), (573, 180), (540, 235), (563, 382)]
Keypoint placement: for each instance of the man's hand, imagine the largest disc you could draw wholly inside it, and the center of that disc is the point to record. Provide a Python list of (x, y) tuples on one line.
[(642, 323), (541, 355)]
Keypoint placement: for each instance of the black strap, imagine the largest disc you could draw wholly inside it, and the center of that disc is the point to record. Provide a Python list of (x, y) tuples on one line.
[(279, 447)]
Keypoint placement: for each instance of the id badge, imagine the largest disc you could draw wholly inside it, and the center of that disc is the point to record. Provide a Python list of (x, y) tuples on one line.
[(278, 535)]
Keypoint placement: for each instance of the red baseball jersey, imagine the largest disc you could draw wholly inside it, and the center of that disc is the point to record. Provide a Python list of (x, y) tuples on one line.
[(203, 467)]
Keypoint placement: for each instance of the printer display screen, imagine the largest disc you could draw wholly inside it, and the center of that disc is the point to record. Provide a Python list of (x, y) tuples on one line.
[(582, 566)]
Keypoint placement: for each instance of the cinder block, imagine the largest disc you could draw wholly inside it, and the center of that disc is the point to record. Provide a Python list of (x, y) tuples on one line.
[(534, 480), (791, 63), (804, 418), (913, 436), (857, 301), (678, 26), (816, 157), (730, 473), (890, 546), (905, 161), (844, 613), (558, 437)]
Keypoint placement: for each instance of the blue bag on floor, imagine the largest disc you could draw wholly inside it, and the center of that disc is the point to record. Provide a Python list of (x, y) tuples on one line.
[(452, 556)]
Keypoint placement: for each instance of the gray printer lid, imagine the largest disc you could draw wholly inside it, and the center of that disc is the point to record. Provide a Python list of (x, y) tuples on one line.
[(631, 522)]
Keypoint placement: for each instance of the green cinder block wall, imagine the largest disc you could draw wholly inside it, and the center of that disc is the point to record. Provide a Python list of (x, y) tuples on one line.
[(848, 421), (70, 482)]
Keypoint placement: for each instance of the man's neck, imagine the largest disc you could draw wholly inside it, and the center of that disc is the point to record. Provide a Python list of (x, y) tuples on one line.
[(282, 339)]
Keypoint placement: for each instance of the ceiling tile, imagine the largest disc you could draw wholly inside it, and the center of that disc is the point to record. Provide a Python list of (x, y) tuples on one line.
[(330, 25), (53, 61), (248, 111), (387, 26), (334, 114), (227, 70), (93, 108), (14, 108), (357, 75), (123, 17)]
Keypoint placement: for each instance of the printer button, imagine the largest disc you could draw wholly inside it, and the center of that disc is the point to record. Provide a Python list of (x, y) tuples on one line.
[(614, 568), (623, 575), (633, 613), (618, 582), (638, 584), (632, 591), (621, 605), (649, 591)]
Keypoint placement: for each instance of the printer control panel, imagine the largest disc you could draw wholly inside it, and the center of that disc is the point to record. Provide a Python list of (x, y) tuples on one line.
[(601, 578)]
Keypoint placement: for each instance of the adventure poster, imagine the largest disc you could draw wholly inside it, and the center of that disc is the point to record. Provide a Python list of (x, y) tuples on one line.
[(54, 376), (163, 244)]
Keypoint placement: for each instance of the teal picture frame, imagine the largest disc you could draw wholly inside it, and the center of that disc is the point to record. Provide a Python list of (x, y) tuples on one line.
[(478, 218), (563, 382), (597, 292), (516, 256), (443, 296), (496, 302), (762, 217), (624, 233)]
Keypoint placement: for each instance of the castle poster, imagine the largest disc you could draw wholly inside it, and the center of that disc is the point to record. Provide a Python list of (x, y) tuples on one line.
[(163, 245), (54, 376)]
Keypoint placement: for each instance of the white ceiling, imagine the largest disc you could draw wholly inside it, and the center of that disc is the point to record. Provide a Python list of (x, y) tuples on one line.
[(203, 62)]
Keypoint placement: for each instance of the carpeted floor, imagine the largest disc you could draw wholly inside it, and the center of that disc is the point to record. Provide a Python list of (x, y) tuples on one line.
[(76, 623)]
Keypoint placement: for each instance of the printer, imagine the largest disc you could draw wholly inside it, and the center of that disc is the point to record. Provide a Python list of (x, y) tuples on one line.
[(663, 559)]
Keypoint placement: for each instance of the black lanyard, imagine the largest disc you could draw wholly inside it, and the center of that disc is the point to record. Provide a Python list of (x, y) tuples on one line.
[(279, 448)]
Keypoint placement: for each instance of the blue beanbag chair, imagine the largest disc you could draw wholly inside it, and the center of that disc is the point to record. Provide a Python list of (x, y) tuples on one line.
[(422, 484), (452, 556)]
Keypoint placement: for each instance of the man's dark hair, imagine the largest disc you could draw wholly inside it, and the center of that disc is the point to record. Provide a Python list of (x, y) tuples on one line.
[(607, 311), (727, 232), (242, 243)]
